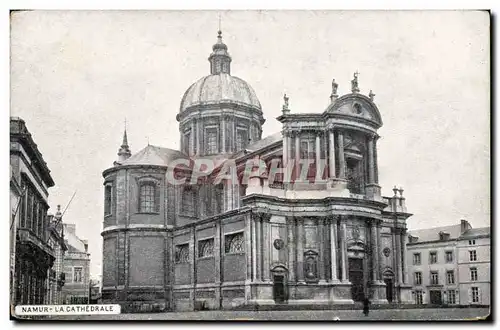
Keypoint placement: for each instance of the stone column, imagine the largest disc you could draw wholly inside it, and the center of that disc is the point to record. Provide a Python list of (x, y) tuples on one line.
[(375, 252), (192, 258), (375, 161), (318, 157), (404, 273), (217, 255), (265, 252), (333, 248), (344, 249), (254, 247), (397, 238), (379, 263), (332, 154), (291, 249), (371, 161), (248, 245), (341, 155), (199, 135), (300, 250), (321, 264), (193, 138), (223, 133), (286, 155), (258, 226), (297, 156)]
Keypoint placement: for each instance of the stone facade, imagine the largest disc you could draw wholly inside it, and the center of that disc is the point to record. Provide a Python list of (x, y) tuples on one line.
[(327, 237)]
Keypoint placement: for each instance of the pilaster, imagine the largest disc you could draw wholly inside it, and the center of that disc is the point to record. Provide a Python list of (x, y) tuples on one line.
[(333, 249), (300, 250), (291, 249)]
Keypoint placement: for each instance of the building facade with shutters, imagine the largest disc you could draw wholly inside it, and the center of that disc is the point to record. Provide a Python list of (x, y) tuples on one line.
[(201, 228), (450, 265)]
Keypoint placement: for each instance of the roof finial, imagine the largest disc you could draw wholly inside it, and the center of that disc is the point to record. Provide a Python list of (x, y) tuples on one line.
[(354, 83), (285, 109), (334, 96), (371, 95), (124, 151)]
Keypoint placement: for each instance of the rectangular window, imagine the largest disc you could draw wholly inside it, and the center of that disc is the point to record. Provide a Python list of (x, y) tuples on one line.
[(233, 243), (77, 274), (147, 198), (307, 148), (187, 202), (419, 297), (182, 253), (418, 278), (452, 298), (108, 189), (29, 213), (212, 141), (241, 139), (473, 274), (450, 277), (416, 259), (206, 248), (434, 278), (473, 255), (187, 143), (433, 257), (475, 294), (449, 256), (472, 242)]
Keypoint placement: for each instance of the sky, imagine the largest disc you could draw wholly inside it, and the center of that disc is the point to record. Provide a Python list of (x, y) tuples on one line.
[(76, 76)]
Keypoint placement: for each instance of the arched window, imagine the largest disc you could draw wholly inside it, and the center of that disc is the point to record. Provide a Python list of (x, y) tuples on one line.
[(108, 189), (212, 145), (206, 248), (182, 253), (148, 198), (234, 243)]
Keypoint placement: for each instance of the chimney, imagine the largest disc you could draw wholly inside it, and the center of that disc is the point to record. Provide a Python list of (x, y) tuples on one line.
[(464, 226)]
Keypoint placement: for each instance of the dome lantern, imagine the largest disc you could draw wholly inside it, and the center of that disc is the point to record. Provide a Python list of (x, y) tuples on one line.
[(220, 61)]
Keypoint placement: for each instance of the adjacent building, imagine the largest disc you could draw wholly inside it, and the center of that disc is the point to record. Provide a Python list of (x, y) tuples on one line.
[(76, 267), (327, 237), (56, 278), (450, 265), (31, 255)]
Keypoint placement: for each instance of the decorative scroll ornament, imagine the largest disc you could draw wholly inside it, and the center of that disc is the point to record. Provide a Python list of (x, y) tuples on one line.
[(386, 252)]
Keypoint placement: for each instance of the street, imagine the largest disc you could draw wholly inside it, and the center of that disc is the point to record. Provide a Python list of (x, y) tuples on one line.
[(343, 315)]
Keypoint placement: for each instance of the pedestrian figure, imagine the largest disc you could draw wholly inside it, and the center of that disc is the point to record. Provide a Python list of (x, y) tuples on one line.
[(366, 307)]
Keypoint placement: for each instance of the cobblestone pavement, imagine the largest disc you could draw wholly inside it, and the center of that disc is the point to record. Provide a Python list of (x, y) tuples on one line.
[(381, 314)]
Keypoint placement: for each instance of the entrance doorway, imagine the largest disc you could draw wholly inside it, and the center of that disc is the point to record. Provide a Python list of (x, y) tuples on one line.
[(388, 289), (279, 289), (356, 279), (435, 297)]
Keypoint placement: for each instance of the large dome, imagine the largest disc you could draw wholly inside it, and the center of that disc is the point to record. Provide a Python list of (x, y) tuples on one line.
[(220, 88)]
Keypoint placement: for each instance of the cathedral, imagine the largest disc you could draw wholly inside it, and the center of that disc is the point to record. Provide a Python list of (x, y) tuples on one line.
[(307, 225)]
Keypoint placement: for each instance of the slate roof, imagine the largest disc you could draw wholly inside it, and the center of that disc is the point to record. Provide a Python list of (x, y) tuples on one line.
[(153, 155), (474, 232), (432, 234), (268, 140)]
